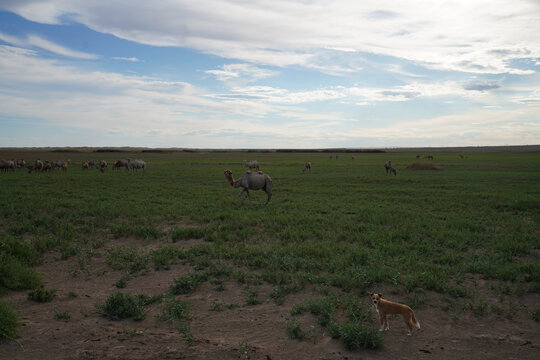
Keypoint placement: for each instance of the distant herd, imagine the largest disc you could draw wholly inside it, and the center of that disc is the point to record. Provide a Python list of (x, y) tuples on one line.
[(249, 181), (46, 165)]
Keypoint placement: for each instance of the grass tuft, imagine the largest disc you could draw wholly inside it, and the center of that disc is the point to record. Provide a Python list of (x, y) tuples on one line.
[(40, 294), (124, 305), (9, 320), (355, 335)]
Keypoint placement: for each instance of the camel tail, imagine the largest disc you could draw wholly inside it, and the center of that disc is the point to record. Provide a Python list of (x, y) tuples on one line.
[(414, 321)]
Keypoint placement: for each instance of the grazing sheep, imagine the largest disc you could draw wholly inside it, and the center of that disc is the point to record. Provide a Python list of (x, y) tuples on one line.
[(418, 156), (30, 168), (252, 165), (430, 157), (251, 181), (46, 166), (85, 165), (307, 166), (65, 167)]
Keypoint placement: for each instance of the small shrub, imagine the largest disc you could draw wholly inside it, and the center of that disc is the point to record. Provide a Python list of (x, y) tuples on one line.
[(187, 283), (61, 315), (295, 331), (163, 257), (16, 276), (9, 320), (72, 294), (252, 297), (122, 306), (177, 312), (40, 294), (122, 282), (334, 330), (355, 335)]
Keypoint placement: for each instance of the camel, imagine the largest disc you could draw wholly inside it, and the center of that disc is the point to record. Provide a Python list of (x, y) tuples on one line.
[(389, 168), (252, 164), (251, 181), (307, 166)]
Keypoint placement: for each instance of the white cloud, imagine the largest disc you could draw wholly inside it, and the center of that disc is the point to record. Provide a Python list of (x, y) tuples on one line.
[(481, 36), (39, 42), (130, 59), (241, 73)]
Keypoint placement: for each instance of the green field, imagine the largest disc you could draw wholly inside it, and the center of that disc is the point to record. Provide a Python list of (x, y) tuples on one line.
[(337, 232)]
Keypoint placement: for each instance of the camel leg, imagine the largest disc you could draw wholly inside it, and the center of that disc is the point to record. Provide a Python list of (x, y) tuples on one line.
[(241, 192)]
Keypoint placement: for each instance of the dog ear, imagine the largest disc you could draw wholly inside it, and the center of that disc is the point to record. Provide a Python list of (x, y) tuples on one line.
[(370, 293), (380, 295)]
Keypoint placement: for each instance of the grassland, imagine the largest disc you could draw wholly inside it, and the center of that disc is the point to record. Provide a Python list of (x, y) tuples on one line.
[(332, 234)]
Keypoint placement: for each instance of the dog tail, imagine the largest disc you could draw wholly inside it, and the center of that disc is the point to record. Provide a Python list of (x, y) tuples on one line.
[(414, 321)]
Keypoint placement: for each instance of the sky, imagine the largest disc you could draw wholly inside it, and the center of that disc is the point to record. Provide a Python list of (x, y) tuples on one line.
[(236, 74)]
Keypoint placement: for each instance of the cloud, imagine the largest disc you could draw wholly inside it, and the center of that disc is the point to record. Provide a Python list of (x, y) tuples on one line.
[(482, 37), (241, 72), (480, 86), (39, 42), (130, 59)]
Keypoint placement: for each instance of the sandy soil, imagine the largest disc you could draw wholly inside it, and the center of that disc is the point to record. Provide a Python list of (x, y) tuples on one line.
[(261, 329)]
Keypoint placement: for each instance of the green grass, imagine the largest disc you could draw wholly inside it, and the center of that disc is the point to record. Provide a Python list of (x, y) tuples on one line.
[(9, 320), (177, 311), (62, 315), (346, 226), (120, 305), (296, 332), (40, 294), (355, 335)]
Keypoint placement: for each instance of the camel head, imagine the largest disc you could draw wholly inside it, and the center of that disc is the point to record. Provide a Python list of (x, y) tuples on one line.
[(228, 176)]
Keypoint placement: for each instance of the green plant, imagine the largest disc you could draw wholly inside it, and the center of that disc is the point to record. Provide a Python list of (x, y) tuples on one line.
[(40, 294), (252, 297), (355, 335), (243, 350), (177, 312), (188, 283), (122, 282), (123, 305), (9, 320), (295, 331), (61, 315)]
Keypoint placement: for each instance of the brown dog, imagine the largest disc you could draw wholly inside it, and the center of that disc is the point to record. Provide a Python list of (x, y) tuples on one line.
[(386, 307)]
